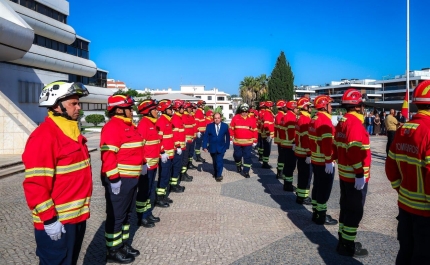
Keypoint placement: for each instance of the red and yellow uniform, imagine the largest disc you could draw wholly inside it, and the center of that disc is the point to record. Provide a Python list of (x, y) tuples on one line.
[(243, 130), (58, 179), (190, 126), (268, 124), (302, 136), (200, 120), (288, 122), (165, 131), (151, 141), (321, 134), (178, 130), (279, 128)]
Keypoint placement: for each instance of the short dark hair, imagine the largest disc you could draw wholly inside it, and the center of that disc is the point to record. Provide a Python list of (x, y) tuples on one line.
[(218, 114)]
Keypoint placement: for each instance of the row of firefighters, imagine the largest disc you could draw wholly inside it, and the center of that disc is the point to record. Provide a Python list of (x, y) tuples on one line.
[(58, 180)]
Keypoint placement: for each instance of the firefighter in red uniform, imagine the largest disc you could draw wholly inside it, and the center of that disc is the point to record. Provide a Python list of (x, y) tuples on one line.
[(323, 154), (303, 153), (151, 150), (280, 136), (408, 169), (190, 132), (243, 133), (179, 141), (260, 123), (353, 152), (58, 180), (201, 128), (268, 133), (122, 158), (288, 145), (209, 117), (191, 114), (167, 152)]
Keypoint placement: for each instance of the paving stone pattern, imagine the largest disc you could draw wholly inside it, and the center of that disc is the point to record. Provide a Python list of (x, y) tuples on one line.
[(237, 221)]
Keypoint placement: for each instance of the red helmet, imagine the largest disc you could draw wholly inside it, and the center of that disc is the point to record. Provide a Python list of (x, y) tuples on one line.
[(209, 113), (178, 103), (188, 105), (201, 103), (164, 104), (268, 104), (281, 104), (302, 102), (421, 95), (261, 104), (352, 97), (194, 105), (322, 101), (119, 101), (146, 106), (292, 104)]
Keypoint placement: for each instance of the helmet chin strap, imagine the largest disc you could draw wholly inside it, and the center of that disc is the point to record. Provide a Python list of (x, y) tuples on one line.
[(63, 113)]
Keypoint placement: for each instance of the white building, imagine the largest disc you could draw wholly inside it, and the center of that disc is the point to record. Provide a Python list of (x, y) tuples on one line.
[(37, 47), (214, 98)]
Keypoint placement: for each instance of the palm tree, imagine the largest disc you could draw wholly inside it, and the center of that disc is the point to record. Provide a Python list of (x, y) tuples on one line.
[(247, 88), (261, 87)]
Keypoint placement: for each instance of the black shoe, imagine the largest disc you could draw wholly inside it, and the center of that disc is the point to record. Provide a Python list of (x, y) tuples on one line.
[(200, 159), (119, 256), (191, 166), (279, 174), (168, 200), (305, 201), (247, 175), (186, 178), (324, 219), (239, 169), (160, 202), (177, 188), (352, 249), (266, 165), (260, 158), (153, 219), (145, 222), (218, 179), (130, 250), (288, 186), (330, 221)]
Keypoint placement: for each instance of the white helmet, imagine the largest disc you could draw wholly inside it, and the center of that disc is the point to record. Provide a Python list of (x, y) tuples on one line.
[(57, 90), (244, 107)]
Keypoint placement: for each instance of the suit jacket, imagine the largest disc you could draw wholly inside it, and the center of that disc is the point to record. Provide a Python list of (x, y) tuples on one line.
[(369, 120), (216, 143)]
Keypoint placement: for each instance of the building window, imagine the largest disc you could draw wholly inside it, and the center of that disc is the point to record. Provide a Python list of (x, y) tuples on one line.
[(29, 92), (220, 98), (209, 97), (230, 107), (198, 96), (42, 9), (210, 106)]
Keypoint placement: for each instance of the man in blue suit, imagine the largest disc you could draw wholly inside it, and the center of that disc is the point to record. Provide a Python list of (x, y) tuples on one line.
[(217, 141)]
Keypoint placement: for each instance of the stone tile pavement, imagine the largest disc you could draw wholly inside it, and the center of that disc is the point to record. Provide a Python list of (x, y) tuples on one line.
[(237, 221)]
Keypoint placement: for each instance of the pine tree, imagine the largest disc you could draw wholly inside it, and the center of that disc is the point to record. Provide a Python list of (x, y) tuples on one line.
[(281, 82)]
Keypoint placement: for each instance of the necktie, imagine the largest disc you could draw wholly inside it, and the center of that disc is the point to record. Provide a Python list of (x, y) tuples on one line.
[(217, 129)]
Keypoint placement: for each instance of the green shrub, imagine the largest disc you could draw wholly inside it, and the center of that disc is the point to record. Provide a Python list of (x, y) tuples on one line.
[(95, 119)]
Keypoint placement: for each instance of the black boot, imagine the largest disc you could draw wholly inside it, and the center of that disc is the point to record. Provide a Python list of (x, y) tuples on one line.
[(239, 169), (324, 219), (130, 250), (279, 174), (247, 175), (305, 201), (260, 158), (186, 178), (160, 202), (191, 166), (199, 158), (314, 215), (352, 249), (119, 256), (288, 186), (153, 219), (145, 222), (266, 165), (177, 188), (167, 199), (339, 242)]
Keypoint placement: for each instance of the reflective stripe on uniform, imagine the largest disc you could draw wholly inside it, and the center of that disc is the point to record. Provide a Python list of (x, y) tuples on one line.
[(39, 172), (72, 167)]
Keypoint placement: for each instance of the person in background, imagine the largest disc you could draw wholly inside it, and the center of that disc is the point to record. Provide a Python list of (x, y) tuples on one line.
[(216, 140), (407, 168), (377, 125), (58, 178), (369, 121), (401, 118), (391, 124), (201, 127), (383, 128)]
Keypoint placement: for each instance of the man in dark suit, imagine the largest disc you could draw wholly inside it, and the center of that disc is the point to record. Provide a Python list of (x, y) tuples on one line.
[(217, 141)]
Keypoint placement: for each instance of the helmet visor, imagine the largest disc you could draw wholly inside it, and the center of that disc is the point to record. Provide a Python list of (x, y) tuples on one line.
[(78, 89)]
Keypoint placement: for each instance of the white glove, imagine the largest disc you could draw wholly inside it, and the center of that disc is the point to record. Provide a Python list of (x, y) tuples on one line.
[(199, 134), (308, 160), (144, 169), (116, 187), (329, 168), (164, 157), (359, 183), (293, 147), (54, 230), (268, 139), (254, 144), (231, 142), (179, 151)]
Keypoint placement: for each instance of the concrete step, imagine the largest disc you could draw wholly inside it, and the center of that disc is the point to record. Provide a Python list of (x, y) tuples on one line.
[(11, 170)]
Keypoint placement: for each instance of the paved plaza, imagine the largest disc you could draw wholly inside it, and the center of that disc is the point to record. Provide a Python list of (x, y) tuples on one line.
[(237, 221)]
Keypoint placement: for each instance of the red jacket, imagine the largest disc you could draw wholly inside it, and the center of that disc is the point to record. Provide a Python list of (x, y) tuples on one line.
[(353, 147), (151, 141), (165, 130), (190, 126), (200, 120), (260, 121), (58, 179), (279, 128), (121, 147), (288, 122), (268, 124), (178, 130), (321, 133), (243, 130), (302, 135), (209, 119), (408, 165)]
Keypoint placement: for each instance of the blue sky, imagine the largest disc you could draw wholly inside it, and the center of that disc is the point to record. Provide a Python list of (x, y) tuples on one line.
[(216, 43)]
